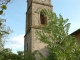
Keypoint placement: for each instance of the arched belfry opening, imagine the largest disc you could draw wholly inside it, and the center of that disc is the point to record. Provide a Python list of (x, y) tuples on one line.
[(43, 19)]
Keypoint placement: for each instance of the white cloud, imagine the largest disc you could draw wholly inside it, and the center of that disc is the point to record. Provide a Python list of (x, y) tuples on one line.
[(16, 43)]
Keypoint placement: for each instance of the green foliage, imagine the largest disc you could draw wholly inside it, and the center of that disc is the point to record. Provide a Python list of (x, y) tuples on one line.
[(4, 32), (29, 55), (3, 6), (55, 34), (20, 55), (6, 54), (1, 11)]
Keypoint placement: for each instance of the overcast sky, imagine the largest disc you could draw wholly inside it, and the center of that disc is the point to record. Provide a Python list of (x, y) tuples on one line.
[(15, 15)]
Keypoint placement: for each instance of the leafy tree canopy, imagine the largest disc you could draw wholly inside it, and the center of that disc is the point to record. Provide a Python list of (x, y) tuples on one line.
[(61, 45), (4, 32)]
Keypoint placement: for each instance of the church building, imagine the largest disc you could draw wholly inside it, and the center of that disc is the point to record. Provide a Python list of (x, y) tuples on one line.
[(34, 19)]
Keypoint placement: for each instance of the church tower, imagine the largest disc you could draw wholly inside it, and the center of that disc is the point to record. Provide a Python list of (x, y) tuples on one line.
[(34, 19)]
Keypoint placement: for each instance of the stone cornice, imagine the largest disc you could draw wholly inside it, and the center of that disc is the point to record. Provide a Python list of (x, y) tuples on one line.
[(27, 32), (42, 3), (35, 27)]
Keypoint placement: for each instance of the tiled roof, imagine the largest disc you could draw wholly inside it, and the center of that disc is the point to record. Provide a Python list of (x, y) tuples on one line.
[(75, 32)]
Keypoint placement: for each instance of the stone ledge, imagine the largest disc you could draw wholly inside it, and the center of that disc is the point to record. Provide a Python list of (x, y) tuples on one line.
[(42, 3)]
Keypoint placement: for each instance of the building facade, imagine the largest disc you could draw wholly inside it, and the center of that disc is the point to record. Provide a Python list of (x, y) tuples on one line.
[(77, 35)]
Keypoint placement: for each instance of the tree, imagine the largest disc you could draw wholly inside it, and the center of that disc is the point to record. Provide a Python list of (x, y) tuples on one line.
[(6, 54), (3, 6), (4, 32), (61, 45), (20, 55)]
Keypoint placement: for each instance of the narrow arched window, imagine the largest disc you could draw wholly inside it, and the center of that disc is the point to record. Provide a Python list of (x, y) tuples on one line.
[(43, 19), (29, 21), (27, 46)]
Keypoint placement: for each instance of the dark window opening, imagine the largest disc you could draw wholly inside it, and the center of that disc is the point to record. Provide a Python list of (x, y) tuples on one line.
[(27, 46), (28, 21), (43, 19)]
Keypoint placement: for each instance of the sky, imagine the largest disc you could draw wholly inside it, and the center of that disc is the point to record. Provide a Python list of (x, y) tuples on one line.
[(15, 18)]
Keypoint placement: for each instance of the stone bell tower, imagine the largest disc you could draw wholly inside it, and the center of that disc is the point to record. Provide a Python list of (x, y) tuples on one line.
[(34, 19)]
